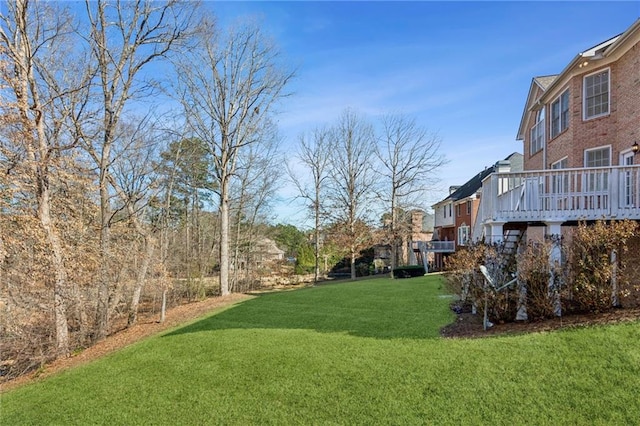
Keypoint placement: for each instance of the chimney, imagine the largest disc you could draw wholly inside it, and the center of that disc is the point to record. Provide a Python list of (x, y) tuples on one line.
[(416, 221)]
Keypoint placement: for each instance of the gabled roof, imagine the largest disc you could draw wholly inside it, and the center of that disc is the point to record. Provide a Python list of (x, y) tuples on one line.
[(471, 186), (545, 81), (608, 49), (474, 184), (542, 82)]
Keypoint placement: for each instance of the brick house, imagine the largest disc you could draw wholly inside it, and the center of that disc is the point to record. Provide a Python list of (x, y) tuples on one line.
[(455, 216), (580, 130)]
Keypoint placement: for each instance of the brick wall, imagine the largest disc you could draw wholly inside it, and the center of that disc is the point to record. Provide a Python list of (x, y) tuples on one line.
[(620, 129)]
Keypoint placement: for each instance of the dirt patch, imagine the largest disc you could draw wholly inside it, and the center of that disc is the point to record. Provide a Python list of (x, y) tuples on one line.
[(146, 326), (468, 325)]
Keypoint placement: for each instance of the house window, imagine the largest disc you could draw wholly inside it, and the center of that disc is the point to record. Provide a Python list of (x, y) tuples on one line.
[(463, 235), (459, 211), (596, 94), (560, 181), (468, 207), (562, 164), (537, 134), (450, 215), (560, 114), (598, 157)]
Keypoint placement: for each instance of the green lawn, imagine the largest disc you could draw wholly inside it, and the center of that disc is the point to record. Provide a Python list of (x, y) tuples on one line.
[(365, 352)]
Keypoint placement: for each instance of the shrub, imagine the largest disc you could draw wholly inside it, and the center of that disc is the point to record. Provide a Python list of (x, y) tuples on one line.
[(583, 285), (591, 268), (409, 271), (535, 272), (465, 280)]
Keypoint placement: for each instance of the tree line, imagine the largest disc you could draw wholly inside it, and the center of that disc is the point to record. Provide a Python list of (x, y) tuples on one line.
[(138, 148)]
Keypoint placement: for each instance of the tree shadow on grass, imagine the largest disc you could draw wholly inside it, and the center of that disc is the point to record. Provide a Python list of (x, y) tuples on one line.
[(368, 316)]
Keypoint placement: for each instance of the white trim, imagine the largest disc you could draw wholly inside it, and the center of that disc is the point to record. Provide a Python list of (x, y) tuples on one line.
[(463, 234), (534, 130), (556, 162), (560, 127), (584, 94), (597, 148), (624, 154)]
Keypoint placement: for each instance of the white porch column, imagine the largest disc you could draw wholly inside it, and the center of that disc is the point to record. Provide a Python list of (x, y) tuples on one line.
[(496, 232), (554, 234)]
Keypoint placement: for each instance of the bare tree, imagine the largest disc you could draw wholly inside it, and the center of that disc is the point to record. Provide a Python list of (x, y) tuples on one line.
[(257, 178), (228, 88), (409, 157), (124, 38), (26, 33), (134, 179), (313, 156), (352, 179)]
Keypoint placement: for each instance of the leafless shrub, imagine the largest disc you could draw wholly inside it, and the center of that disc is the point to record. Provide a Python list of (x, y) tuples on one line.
[(591, 267), (535, 272), (465, 280)]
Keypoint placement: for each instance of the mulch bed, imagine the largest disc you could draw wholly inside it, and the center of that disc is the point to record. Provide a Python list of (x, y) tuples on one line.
[(468, 325)]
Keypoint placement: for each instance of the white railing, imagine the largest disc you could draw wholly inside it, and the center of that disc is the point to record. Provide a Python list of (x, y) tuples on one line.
[(562, 195), (436, 246)]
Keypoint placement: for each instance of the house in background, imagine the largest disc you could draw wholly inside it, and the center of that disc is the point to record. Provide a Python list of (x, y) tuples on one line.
[(455, 216), (261, 253), (580, 131), (419, 225)]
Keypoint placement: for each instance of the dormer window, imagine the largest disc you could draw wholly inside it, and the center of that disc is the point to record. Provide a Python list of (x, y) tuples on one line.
[(537, 133), (596, 94), (560, 114)]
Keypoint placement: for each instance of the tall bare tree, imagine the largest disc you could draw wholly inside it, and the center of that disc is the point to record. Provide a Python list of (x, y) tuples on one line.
[(228, 88), (313, 156), (352, 179), (409, 157), (135, 181), (27, 33), (257, 178), (124, 38)]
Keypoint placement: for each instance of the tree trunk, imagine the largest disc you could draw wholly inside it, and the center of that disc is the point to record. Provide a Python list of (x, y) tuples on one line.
[(353, 264), (224, 238), (316, 237), (163, 310), (102, 310), (59, 287), (141, 278)]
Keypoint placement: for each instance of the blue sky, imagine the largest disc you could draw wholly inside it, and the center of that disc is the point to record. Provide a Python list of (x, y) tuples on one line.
[(463, 69)]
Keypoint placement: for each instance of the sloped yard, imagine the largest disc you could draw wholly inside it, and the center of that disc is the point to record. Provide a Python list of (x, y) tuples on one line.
[(366, 352)]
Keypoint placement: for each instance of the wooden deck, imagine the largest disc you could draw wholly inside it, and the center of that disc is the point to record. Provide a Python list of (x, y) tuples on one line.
[(561, 195)]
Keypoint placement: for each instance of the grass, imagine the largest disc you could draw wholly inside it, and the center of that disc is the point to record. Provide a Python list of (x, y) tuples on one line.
[(365, 352)]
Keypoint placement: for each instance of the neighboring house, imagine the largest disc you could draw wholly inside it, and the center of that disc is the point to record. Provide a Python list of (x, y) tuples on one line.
[(580, 131), (421, 233), (420, 230), (455, 216), (262, 252)]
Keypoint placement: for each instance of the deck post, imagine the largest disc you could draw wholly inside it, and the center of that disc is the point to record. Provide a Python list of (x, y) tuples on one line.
[(614, 192), (554, 235)]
